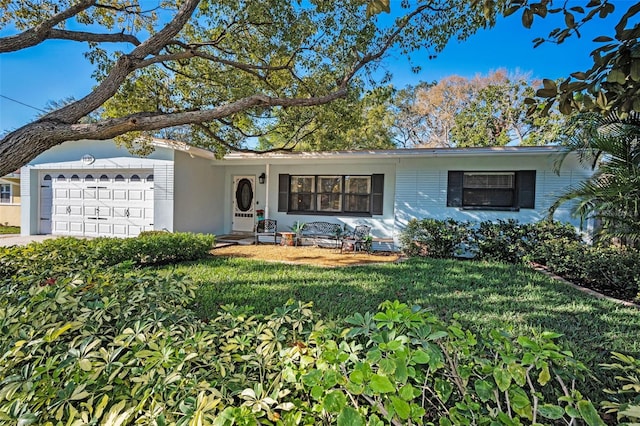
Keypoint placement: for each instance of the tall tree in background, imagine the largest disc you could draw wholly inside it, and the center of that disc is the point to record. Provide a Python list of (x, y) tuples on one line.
[(486, 110), (497, 114), (439, 104), (224, 68)]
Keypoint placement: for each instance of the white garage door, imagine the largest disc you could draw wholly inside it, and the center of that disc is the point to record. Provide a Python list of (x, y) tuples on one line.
[(102, 204)]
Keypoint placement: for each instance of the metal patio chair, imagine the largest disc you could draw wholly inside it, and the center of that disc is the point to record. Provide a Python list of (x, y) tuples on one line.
[(266, 227)]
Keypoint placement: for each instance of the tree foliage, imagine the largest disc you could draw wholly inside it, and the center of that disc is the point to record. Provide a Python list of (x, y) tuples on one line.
[(227, 69), (481, 111), (352, 123), (612, 195), (612, 84)]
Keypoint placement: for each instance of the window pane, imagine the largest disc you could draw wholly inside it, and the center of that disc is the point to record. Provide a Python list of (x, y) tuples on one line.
[(488, 180), (329, 184), (302, 184), (488, 197), (5, 194), (330, 193), (329, 202), (302, 202), (356, 203), (357, 184)]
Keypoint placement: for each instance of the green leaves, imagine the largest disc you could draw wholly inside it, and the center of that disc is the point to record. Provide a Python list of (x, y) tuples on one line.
[(381, 384)]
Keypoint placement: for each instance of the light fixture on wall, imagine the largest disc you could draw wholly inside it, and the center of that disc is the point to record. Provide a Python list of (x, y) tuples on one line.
[(262, 178)]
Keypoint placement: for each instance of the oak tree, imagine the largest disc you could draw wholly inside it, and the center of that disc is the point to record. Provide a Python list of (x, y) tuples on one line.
[(223, 68)]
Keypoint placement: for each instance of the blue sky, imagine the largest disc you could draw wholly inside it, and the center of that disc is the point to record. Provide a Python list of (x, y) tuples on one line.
[(55, 70)]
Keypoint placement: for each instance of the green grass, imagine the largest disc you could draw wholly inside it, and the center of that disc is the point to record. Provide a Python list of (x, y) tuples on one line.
[(485, 295), (9, 229)]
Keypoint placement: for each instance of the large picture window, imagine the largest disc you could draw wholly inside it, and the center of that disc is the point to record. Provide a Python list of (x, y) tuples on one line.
[(502, 190), (358, 195), (5, 193)]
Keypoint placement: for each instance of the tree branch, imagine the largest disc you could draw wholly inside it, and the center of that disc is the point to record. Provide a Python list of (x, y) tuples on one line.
[(92, 37), (38, 34), (230, 147), (123, 67)]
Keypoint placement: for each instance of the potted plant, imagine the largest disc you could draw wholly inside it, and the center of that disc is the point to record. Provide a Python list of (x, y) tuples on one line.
[(297, 228)]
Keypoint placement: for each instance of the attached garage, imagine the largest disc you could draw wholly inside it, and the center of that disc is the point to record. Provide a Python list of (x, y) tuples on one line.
[(105, 204), (99, 189)]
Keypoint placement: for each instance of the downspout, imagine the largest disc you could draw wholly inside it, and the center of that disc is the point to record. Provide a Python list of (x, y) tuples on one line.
[(266, 195)]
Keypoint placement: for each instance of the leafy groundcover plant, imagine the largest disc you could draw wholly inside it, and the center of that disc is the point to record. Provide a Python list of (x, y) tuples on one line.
[(120, 347), (116, 345)]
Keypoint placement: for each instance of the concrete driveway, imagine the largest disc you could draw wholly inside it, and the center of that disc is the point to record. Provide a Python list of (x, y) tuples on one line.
[(19, 240)]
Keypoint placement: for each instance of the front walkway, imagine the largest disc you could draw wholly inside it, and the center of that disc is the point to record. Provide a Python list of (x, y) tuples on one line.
[(19, 240)]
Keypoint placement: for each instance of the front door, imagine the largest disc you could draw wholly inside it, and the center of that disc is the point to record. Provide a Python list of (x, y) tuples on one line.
[(243, 204)]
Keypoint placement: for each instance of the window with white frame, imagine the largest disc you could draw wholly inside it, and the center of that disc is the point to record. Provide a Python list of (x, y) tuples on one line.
[(5, 194)]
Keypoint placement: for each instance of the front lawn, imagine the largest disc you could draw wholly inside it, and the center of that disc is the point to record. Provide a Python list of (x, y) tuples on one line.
[(486, 295)]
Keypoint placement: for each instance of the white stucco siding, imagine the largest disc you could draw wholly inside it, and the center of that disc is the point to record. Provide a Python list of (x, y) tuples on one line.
[(421, 187), (197, 206)]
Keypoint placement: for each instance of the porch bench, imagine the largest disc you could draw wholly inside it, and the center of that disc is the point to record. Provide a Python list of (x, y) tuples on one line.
[(319, 232)]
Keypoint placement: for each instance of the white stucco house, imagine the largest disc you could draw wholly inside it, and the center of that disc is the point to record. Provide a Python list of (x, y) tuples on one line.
[(95, 188)]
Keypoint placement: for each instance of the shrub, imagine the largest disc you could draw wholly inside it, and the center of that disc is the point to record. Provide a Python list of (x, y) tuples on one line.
[(116, 347), (502, 241), (435, 238), (61, 256), (626, 399)]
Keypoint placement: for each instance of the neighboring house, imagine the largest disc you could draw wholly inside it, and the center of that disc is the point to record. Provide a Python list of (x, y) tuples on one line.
[(10, 200), (95, 188)]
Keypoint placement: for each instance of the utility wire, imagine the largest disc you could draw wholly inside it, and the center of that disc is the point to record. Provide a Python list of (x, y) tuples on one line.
[(22, 103)]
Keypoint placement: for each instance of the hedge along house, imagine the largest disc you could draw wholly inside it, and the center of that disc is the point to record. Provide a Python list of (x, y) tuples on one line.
[(95, 188)]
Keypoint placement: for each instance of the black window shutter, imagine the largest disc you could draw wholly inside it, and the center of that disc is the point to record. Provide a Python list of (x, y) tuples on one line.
[(377, 193), (283, 193), (526, 182), (454, 189)]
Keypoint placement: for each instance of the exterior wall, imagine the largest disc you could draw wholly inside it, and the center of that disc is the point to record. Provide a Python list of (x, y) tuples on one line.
[(421, 187), (382, 226), (197, 188), (10, 213), (108, 156)]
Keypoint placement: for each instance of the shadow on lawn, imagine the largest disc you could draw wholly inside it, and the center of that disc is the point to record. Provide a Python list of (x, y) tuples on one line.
[(485, 295)]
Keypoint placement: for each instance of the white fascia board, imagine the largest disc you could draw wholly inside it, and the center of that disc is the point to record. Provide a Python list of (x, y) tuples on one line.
[(184, 147), (506, 151)]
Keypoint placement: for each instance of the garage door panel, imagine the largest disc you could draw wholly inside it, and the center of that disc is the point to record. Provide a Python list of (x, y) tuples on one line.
[(75, 194), (148, 214), (91, 211), (136, 195), (104, 194), (119, 195), (120, 230), (61, 193), (76, 227), (105, 228), (119, 212), (61, 227), (136, 213), (90, 194), (91, 228)]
